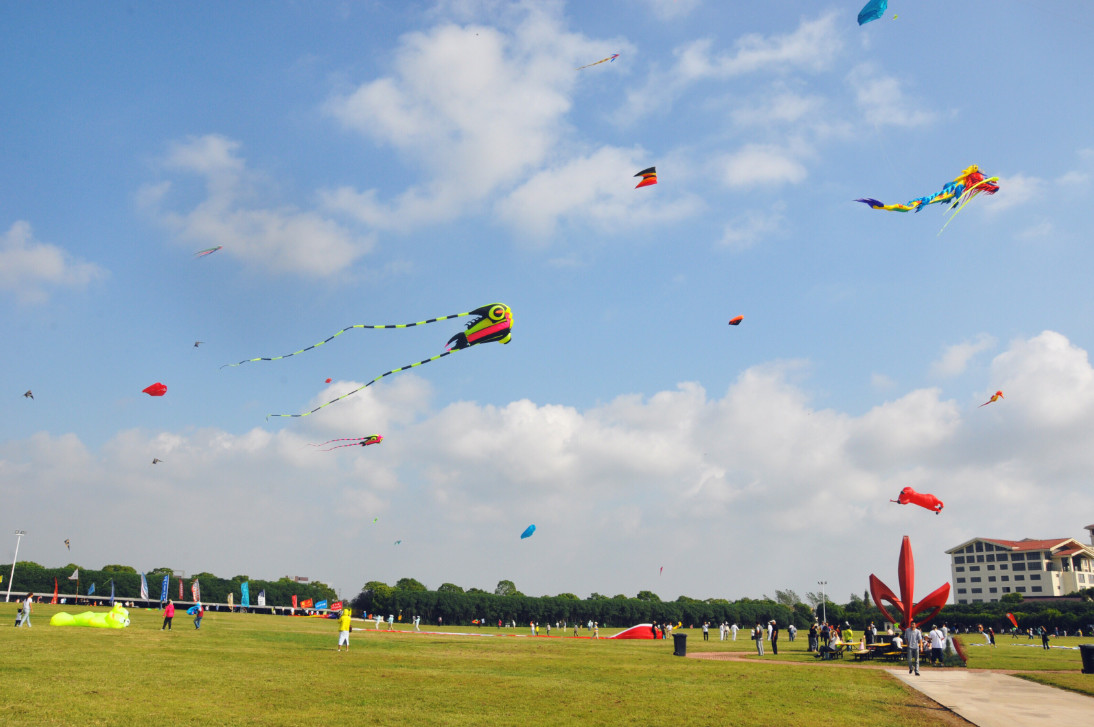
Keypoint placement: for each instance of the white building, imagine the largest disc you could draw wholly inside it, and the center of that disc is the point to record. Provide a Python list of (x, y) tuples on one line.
[(983, 570)]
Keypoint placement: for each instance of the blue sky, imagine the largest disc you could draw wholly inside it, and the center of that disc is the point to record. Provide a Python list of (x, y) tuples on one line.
[(389, 162)]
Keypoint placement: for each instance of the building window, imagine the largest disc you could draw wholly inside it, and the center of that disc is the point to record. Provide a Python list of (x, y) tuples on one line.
[(974, 567), (991, 579), (963, 600), (1021, 589), (990, 557), (1035, 576), (979, 547), (978, 590), (1035, 566), (1004, 578), (975, 579), (993, 590), (960, 569), (1017, 556), (1033, 556), (991, 567), (1006, 589), (1018, 566), (1019, 578), (1003, 566), (960, 580), (959, 559), (1035, 589), (979, 559), (961, 590)]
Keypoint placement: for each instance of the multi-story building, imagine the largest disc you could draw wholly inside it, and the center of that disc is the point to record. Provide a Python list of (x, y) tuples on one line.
[(986, 569)]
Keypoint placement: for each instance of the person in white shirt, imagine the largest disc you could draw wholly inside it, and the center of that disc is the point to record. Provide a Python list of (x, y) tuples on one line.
[(734, 629), (938, 642)]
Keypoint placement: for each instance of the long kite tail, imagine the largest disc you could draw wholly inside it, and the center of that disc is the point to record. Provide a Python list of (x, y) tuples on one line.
[(349, 328), (386, 373), (351, 444), (355, 440), (983, 186)]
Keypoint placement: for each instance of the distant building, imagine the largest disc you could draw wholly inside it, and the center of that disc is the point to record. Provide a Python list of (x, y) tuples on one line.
[(984, 570)]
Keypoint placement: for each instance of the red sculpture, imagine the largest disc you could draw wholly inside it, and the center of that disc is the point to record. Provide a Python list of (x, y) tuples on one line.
[(905, 605)]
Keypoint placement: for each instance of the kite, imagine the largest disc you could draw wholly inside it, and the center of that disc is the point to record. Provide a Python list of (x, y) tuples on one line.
[(327, 381), (375, 519), (198, 343), (492, 323), (649, 177), (528, 532), (1012, 619), (994, 398), (353, 442), (872, 11), (115, 618), (609, 59), (397, 542), (156, 461), (29, 394), (908, 496), (736, 321), (68, 545), (662, 571), (207, 251), (156, 389), (958, 193)]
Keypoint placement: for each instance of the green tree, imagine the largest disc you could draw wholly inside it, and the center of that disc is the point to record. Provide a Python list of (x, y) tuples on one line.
[(409, 584), (507, 588), (648, 596), (787, 598), (119, 569), (449, 588), (568, 596)]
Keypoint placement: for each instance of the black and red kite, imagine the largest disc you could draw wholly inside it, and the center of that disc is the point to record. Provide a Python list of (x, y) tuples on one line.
[(649, 176)]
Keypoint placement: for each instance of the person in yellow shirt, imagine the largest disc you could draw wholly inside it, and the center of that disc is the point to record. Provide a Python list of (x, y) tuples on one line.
[(344, 628)]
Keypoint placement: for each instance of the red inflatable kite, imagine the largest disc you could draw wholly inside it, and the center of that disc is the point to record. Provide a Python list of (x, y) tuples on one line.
[(908, 496), (994, 397), (1012, 619), (736, 321), (156, 389)]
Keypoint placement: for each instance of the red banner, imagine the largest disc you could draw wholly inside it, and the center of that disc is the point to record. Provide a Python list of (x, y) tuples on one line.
[(195, 590), (54, 591), (336, 606), (306, 603), (180, 589), (294, 601)]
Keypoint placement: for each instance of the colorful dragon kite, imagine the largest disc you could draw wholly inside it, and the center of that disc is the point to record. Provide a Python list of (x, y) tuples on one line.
[(958, 193), (994, 398), (353, 442), (609, 59), (492, 323)]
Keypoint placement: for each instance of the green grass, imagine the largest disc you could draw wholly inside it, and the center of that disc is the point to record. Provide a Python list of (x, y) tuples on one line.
[(1075, 682), (1023, 655), (266, 670)]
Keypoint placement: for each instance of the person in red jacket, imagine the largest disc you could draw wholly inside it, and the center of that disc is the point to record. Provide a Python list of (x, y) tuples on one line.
[(168, 614)]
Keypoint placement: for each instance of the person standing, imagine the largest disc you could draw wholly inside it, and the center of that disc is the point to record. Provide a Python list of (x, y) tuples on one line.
[(706, 631), (596, 629), (1044, 637), (198, 614), (379, 620), (26, 610), (814, 637), (418, 620), (792, 630), (991, 636), (912, 637), (391, 622), (938, 643), (344, 628), (168, 615), (773, 629), (758, 635), (734, 629)]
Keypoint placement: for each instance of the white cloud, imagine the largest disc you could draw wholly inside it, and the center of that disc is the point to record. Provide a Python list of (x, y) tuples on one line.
[(785, 107), (761, 165), (1014, 190), (638, 480), (955, 359), (750, 227), (30, 269), (882, 101), (282, 239)]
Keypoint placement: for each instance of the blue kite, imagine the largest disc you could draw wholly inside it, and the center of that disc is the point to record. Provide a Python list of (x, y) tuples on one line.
[(872, 11), (528, 532)]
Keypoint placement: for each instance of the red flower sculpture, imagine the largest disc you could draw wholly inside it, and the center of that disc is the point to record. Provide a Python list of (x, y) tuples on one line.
[(905, 605)]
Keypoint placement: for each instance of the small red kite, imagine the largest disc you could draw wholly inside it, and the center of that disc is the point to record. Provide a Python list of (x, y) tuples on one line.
[(908, 496), (649, 176), (736, 321), (994, 397), (156, 389), (327, 381), (1012, 619)]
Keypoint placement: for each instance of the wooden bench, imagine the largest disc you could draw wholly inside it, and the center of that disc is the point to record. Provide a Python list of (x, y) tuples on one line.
[(862, 654)]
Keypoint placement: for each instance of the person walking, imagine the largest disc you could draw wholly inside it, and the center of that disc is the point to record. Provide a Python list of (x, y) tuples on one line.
[(758, 635), (168, 615), (773, 629), (391, 622), (344, 627), (198, 614), (912, 637)]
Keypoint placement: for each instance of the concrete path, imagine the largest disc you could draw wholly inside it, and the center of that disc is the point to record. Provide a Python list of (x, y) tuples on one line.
[(990, 699)]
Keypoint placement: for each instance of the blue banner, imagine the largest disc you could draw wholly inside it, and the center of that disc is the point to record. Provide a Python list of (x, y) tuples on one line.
[(163, 589), (91, 591), (321, 604), (111, 591), (245, 589), (144, 587)]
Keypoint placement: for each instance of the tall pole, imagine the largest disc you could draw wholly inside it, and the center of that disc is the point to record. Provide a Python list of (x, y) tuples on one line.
[(18, 538), (824, 601)]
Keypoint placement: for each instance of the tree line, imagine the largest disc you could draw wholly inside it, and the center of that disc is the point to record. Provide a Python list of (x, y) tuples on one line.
[(30, 576)]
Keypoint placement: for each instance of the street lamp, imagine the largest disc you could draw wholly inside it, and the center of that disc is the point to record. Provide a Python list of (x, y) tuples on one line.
[(824, 610), (18, 538)]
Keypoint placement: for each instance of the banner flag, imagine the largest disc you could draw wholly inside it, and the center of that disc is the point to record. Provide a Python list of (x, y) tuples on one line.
[(75, 575), (245, 590), (91, 591), (262, 598), (111, 592), (306, 603), (144, 587), (321, 604), (294, 602), (195, 590), (163, 588), (231, 600), (54, 591), (336, 606), (180, 589)]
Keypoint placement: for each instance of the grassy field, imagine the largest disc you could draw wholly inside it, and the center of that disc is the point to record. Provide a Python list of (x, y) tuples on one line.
[(1054, 667), (267, 670)]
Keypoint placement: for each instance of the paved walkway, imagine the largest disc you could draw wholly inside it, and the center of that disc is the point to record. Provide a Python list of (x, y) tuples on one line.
[(991, 699)]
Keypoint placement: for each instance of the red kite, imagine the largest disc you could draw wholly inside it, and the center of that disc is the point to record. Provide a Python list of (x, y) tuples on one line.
[(1012, 619), (649, 176), (156, 389), (994, 397), (908, 496), (736, 321), (327, 381)]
